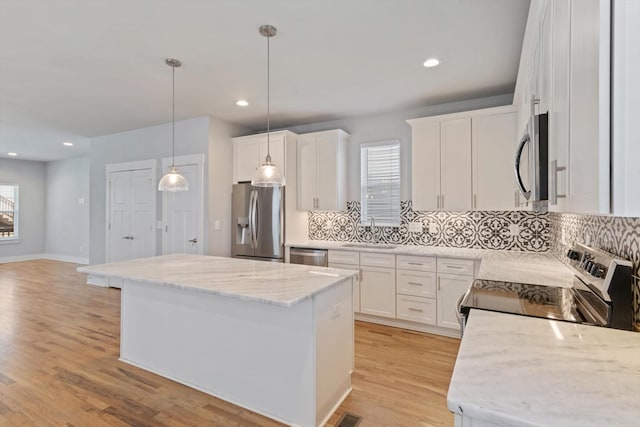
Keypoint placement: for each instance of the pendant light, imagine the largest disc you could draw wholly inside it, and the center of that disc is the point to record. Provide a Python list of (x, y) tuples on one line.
[(268, 174), (173, 181)]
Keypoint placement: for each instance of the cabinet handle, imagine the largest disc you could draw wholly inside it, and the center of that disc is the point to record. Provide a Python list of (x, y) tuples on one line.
[(517, 203), (438, 282), (454, 267), (360, 278), (553, 185), (416, 309), (414, 283), (414, 263)]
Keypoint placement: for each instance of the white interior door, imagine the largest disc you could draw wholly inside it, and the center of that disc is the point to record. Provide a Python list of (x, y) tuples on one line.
[(131, 214), (119, 216), (183, 210)]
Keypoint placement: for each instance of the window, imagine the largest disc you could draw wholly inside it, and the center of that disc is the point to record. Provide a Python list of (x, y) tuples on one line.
[(8, 212), (380, 183)]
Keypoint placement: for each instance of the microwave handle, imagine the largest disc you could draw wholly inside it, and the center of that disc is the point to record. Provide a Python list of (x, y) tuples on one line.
[(526, 193)]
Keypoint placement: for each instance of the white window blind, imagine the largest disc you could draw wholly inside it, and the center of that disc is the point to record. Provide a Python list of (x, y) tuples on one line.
[(380, 183)]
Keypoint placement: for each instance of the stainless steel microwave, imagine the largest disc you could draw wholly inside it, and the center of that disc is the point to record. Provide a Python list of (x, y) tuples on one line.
[(532, 162)]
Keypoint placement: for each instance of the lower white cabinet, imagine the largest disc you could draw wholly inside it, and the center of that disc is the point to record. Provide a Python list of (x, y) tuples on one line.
[(356, 282), (416, 309), (378, 291), (450, 288)]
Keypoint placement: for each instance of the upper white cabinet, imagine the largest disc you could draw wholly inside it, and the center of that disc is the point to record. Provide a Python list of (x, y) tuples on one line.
[(565, 66), (249, 152), (322, 170), (464, 161), (493, 137), (441, 163)]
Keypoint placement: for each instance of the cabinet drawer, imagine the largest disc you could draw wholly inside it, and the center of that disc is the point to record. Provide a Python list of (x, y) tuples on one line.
[(416, 309), (418, 283), (462, 267), (420, 263), (373, 259), (344, 257)]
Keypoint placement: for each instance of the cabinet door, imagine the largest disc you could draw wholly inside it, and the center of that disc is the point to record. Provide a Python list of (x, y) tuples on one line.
[(356, 283), (559, 108), (246, 154), (493, 181), (450, 288), (589, 114), (378, 291), (544, 74), (307, 173), (327, 189), (455, 175), (425, 165)]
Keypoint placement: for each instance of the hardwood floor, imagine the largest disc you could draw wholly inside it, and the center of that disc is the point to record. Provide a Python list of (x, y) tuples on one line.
[(59, 346)]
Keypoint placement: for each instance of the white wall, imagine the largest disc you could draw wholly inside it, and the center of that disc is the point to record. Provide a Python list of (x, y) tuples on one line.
[(192, 137), (30, 176), (392, 126), (220, 183), (67, 208)]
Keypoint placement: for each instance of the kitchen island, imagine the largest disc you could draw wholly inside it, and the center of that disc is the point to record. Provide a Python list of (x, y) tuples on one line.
[(273, 338), (524, 371)]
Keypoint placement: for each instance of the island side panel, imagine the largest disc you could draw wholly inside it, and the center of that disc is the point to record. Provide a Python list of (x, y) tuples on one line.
[(334, 347), (255, 355)]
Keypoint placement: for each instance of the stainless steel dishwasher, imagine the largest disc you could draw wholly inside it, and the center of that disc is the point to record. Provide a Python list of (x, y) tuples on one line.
[(308, 256)]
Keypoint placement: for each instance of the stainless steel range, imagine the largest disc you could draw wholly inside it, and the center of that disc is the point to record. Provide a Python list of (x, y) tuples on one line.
[(601, 294)]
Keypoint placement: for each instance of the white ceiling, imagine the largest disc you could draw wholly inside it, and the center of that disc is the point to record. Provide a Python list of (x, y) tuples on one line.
[(73, 69)]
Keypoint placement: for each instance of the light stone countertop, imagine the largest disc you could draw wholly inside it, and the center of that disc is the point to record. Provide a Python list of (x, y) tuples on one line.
[(266, 282), (524, 371), (536, 268)]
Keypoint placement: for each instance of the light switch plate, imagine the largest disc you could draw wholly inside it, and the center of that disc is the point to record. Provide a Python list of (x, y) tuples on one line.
[(514, 229), (415, 227), (159, 225)]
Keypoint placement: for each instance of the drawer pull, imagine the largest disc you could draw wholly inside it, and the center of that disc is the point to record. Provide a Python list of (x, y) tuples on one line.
[(414, 283), (414, 263), (455, 267), (416, 309)]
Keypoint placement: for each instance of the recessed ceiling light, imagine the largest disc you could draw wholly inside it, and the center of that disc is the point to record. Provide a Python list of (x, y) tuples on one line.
[(12, 154), (431, 62), (68, 144), (242, 103)]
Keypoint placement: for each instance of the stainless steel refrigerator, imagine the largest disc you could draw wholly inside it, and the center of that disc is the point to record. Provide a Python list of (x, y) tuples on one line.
[(258, 222)]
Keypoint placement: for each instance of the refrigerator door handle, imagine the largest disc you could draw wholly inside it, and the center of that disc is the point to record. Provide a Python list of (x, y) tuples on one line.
[(253, 199)]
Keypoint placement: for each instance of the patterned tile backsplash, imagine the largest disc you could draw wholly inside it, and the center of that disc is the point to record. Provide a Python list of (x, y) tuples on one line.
[(618, 235), (507, 230)]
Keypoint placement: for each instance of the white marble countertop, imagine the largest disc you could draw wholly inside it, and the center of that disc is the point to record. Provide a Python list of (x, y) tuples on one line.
[(524, 371), (267, 282), (536, 268)]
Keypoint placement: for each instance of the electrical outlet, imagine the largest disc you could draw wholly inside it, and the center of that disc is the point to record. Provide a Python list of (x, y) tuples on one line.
[(514, 229), (335, 310), (433, 228), (159, 225), (216, 225), (415, 227)]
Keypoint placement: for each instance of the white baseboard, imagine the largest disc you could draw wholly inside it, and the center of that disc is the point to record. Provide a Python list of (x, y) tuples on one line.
[(20, 258), (66, 258), (54, 257)]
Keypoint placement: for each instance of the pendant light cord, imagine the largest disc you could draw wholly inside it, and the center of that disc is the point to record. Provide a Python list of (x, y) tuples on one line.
[(268, 99), (173, 117)]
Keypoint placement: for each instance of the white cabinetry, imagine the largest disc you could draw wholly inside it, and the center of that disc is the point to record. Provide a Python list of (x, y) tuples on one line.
[(249, 152), (441, 164), (464, 161), (493, 137), (416, 289), (322, 170), (454, 278), (378, 291), (348, 261)]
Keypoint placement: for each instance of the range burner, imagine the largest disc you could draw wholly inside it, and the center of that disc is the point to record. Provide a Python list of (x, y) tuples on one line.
[(601, 294)]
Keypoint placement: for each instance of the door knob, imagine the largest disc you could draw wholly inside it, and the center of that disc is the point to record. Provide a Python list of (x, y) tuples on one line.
[(194, 241)]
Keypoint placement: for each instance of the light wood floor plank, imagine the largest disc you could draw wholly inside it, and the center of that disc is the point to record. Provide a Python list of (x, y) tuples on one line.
[(59, 347)]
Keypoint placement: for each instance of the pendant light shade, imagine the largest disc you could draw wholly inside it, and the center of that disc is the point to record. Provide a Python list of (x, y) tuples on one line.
[(268, 174), (173, 181)]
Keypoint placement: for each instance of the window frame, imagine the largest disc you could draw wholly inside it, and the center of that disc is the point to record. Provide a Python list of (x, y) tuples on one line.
[(364, 219), (16, 216)]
